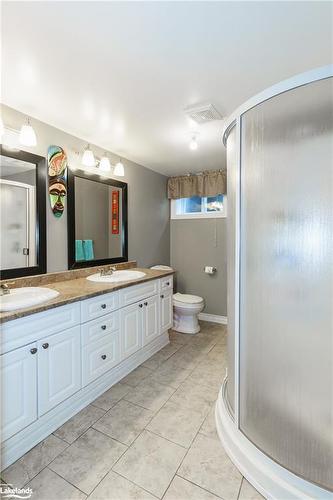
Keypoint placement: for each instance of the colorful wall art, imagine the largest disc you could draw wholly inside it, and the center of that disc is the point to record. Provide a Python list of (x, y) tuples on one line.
[(57, 173), (115, 212)]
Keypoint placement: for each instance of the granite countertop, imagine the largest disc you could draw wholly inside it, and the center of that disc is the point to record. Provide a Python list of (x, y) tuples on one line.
[(77, 289)]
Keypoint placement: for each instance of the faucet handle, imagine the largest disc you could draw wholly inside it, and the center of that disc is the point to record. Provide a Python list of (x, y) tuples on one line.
[(113, 268)]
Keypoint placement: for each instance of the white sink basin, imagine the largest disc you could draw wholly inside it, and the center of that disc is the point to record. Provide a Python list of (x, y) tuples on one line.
[(18, 298), (116, 276)]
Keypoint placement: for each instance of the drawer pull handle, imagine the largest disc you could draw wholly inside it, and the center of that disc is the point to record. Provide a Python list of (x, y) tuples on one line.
[(33, 350), (146, 303), (103, 327), (162, 296), (103, 356), (103, 306), (45, 346), (140, 305), (167, 283)]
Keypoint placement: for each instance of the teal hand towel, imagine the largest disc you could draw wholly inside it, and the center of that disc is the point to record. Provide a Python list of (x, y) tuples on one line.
[(88, 248), (79, 254)]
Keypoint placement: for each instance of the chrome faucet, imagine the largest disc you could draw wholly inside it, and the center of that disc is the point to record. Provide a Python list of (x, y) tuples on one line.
[(108, 272), (4, 289)]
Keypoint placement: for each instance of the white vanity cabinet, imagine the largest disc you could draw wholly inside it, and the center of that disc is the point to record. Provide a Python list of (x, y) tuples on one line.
[(59, 368), (56, 362), (19, 389)]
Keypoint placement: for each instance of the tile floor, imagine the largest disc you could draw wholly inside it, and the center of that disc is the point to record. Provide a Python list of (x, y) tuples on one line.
[(150, 436)]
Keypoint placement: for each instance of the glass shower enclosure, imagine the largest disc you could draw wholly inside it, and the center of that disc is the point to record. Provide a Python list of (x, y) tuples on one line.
[(278, 395)]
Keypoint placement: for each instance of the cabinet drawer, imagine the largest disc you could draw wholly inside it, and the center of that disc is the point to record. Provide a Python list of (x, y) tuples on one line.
[(137, 292), (31, 328), (98, 328), (99, 357), (99, 306), (166, 283)]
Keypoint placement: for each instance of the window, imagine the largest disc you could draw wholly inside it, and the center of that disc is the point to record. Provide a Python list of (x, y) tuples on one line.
[(197, 207)]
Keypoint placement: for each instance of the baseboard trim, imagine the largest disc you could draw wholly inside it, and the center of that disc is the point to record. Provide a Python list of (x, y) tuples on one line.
[(213, 318)]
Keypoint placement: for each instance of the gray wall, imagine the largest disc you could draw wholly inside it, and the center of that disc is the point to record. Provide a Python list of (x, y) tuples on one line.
[(148, 207), (196, 243)]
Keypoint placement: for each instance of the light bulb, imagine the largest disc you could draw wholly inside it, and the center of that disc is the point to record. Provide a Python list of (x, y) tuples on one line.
[(88, 159), (104, 164), (119, 169), (28, 135), (193, 144)]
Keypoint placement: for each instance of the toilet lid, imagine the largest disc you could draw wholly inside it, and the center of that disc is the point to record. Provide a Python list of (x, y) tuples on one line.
[(187, 299)]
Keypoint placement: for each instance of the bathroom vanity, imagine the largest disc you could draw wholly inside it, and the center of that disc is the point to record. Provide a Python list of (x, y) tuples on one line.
[(60, 356)]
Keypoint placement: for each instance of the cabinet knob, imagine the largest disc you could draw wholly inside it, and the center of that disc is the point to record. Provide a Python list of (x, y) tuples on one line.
[(33, 350), (140, 305), (103, 327), (103, 356), (146, 303), (162, 296), (45, 346), (167, 283), (103, 306)]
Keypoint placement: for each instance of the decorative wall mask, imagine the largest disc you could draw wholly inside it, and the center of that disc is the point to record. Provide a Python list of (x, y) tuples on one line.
[(57, 172)]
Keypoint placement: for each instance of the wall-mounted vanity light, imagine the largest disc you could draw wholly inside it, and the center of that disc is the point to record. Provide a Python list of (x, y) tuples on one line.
[(119, 169), (88, 159), (104, 163), (28, 135)]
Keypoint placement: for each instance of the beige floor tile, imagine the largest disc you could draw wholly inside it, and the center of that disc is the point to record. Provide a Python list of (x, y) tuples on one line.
[(209, 374), (28, 466), (247, 492), (192, 395), (208, 466), (168, 374), (87, 460), (150, 394), (208, 428), (188, 357), (136, 376), (180, 489), (115, 487), (180, 338), (110, 397), (47, 485), (161, 356), (151, 462), (176, 423), (78, 424), (124, 421)]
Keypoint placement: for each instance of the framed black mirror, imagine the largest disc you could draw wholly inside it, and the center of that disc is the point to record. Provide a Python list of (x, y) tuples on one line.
[(97, 220), (22, 213)]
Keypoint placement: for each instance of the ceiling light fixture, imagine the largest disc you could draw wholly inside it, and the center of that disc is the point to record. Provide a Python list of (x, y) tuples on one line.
[(104, 163), (28, 135), (88, 159), (119, 169), (193, 145)]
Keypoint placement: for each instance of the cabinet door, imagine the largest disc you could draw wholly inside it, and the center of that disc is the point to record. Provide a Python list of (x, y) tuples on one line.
[(59, 368), (166, 311), (18, 390), (131, 329), (151, 322)]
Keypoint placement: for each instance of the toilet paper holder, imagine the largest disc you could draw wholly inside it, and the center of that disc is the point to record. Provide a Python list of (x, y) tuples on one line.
[(210, 269)]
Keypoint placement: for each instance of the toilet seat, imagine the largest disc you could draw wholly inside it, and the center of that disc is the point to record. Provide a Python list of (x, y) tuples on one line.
[(186, 299)]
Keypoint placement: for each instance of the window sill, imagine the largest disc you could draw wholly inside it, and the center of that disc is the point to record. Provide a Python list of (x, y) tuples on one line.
[(199, 216)]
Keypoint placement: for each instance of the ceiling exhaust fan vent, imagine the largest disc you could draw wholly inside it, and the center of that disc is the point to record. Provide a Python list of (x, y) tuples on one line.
[(203, 114)]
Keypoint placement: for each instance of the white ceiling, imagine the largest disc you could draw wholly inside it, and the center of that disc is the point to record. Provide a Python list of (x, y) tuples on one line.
[(118, 74)]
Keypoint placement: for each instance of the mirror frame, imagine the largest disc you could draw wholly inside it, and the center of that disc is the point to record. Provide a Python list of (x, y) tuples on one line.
[(72, 263), (40, 163)]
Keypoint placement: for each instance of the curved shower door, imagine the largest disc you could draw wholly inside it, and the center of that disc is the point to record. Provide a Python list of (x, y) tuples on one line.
[(286, 280)]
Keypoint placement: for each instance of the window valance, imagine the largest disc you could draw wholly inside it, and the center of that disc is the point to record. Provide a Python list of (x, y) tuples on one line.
[(208, 183)]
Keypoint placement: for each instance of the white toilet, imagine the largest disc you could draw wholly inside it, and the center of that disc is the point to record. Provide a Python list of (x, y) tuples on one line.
[(185, 312)]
